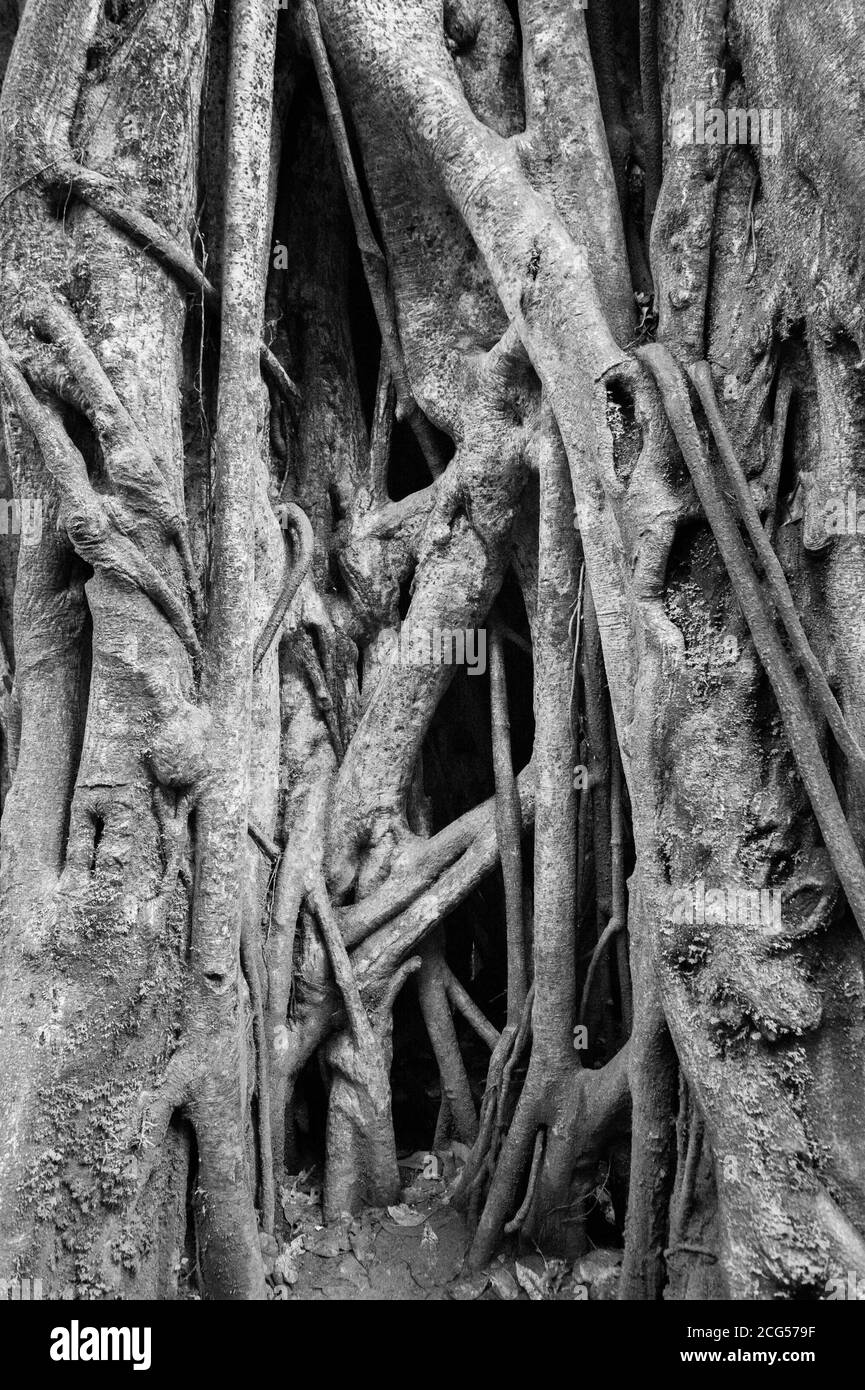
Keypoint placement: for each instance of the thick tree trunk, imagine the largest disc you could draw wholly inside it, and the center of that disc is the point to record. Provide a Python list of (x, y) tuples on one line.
[(330, 334)]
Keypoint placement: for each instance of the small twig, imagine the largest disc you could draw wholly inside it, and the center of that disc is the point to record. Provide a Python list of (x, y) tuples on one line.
[(576, 628), (515, 639), (710, 1255)]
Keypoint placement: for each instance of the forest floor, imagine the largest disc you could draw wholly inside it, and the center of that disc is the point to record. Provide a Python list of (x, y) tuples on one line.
[(415, 1249)]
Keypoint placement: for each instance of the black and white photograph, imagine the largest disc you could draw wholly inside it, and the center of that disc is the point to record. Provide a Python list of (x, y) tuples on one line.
[(432, 669)]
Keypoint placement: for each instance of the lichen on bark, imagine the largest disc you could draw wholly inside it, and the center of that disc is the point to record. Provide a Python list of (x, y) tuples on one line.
[(324, 329)]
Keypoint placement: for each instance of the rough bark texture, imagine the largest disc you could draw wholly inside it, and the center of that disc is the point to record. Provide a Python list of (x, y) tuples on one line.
[(327, 330)]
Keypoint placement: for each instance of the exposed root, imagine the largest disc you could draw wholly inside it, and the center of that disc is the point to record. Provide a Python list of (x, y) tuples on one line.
[(554, 1067), (612, 929), (307, 657), (361, 1148), (507, 1051), (650, 88), (701, 375), (100, 194), (131, 469), (466, 1006), (508, 828), (653, 1082), (230, 1248), (294, 577), (432, 858), (372, 257), (511, 1227), (798, 722), (433, 996), (249, 958), (95, 524)]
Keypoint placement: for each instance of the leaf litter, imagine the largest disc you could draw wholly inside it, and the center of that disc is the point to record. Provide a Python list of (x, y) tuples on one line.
[(414, 1249)]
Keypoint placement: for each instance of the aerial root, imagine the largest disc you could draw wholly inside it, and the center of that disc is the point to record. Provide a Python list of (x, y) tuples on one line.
[(517, 1223), (295, 574), (701, 375), (100, 194), (92, 522), (798, 719), (251, 967)]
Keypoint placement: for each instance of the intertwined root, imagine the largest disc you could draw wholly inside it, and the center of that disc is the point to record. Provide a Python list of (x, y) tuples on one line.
[(502, 206), (536, 1160)]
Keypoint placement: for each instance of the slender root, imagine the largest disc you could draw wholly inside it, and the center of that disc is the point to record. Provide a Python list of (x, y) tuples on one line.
[(100, 194), (508, 828), (90, 519), (435, 1009), (358, 1018), (701, 375), (511, 1227), (252, 975), (372, 257), (798, 722), (466, 1006), (294, 577), (613, 927)]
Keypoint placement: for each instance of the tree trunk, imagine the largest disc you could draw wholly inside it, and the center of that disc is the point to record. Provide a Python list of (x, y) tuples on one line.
[(436, 577)]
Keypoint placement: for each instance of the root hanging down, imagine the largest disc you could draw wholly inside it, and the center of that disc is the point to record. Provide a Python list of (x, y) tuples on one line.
[(102, 195), (508, 827), (94, 526), (231, 851), (295, 574), (701, 375), (798, 721), (372, 257)]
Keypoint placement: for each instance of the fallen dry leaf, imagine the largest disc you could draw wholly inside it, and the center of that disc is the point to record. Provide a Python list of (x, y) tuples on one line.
[(404, 1215), (535, 1285), (505, 1284)]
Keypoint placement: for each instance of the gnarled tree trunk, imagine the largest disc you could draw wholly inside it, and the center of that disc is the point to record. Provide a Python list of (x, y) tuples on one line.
[(333, 332)]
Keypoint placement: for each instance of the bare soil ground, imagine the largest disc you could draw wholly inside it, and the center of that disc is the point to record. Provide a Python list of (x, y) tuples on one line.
[(415, 1249)]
